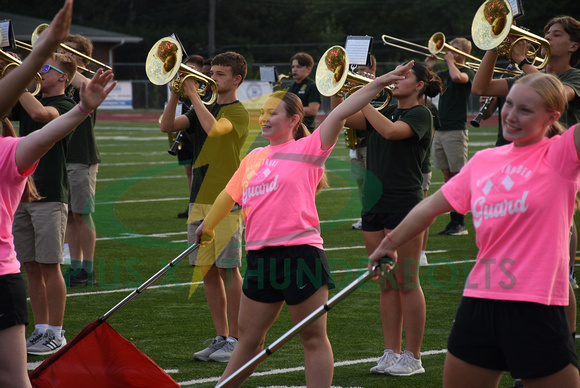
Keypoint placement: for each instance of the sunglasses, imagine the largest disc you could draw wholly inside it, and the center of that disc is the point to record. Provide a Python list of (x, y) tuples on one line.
[(46, 68)]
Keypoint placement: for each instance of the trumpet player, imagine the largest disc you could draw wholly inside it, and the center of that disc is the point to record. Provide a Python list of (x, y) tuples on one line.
[(219, 132), (451, 139)]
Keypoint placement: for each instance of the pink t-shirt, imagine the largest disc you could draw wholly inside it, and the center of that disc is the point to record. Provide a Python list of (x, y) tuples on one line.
[(11, 187), (276, 187), (522, 202)]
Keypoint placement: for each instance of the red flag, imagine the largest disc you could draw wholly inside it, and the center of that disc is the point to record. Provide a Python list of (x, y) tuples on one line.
[(99, 357)]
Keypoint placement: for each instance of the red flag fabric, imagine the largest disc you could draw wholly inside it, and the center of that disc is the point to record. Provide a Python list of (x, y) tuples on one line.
[(99, 357)]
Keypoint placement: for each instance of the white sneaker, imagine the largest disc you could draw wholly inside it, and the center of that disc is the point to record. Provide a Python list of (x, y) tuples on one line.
[(357, 225), (423, 260), (224, 353), (573, 279), (388, 359), (49, 344), (215, 345), (406, 365), (34, 338)]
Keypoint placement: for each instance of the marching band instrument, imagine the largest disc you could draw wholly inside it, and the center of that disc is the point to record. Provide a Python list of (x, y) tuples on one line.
[(36, 34), (333, 76), (280, 78), (487, 102), (437, 44), (164, 65), (492, 28), (350, 138), (177, 139), (12, 61)]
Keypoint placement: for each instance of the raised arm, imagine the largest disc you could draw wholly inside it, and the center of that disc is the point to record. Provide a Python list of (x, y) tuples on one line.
[(35, 145), (332, 125), (483, 83), (18, 80)]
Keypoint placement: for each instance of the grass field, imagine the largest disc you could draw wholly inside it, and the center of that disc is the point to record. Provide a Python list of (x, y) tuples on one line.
[(140, 191)]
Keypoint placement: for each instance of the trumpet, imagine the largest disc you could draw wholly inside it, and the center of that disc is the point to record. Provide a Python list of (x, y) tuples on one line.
[(436, 46), (36, 34), (333, 76), (492, 27), (164, 66), (12, 61)]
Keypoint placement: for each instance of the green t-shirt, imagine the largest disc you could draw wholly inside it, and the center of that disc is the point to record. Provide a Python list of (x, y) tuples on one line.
[(393, 176), (50, 177), (569, 78), (217, 157), (454, 101), (307, 92), (83, 143)]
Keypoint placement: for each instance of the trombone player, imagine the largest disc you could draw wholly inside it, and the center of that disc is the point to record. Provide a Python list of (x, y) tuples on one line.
[(82, 164), (451, 139)]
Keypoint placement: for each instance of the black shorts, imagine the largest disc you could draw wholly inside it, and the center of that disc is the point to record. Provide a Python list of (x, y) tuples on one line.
[(529, 340), (374, 222), (13, 307), (292, 274)]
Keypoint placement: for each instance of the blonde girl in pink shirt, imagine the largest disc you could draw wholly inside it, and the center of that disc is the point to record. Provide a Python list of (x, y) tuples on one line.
[(512, 316), (276, 186)]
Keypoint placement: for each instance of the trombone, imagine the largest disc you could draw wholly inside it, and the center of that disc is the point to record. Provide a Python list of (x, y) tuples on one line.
[(36, 34), (492, 27), (437, 45), (164, 65), (333, 76)]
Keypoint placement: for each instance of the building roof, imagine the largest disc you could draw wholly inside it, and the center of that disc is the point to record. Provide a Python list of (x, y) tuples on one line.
[(23, 27)]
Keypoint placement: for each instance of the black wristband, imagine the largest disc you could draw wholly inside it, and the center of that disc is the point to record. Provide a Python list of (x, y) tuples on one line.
[(524, 62)]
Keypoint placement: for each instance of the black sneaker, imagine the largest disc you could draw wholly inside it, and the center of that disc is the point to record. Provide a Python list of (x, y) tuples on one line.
[(447, 228), (457, 230), (69, 274), (82, 279), (185, 214)]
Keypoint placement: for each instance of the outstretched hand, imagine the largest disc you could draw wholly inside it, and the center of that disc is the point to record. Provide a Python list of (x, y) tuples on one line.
[(57, 31), (94, 93), (398, 74)]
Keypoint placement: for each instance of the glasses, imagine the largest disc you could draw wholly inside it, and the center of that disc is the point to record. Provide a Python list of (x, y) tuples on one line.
[(46, 68)]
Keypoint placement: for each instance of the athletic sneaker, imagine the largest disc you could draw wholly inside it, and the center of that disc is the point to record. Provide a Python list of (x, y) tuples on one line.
[(447, 228), (49, 344), (457, 230), (518, 383), (357, 225), (225, 352), (34, 338), (423, 260), (388, 359), (82, 278), (406, 365), (215, 345)]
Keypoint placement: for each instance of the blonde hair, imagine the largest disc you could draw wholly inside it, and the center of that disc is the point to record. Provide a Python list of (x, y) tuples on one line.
[(551, 90)]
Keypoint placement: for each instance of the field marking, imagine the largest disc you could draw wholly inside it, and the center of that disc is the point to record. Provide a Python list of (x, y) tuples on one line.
[(301, 368)]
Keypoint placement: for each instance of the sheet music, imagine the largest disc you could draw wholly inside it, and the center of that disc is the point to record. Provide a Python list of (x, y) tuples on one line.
[(4, 33), (357, 48), (516, 8)]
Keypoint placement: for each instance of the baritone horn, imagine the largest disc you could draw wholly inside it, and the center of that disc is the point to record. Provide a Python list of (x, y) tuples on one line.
[(12, 62), (164, 65), (492, 28), (333, 76)]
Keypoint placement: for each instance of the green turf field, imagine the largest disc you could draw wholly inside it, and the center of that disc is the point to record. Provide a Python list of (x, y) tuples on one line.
[(141, 188)]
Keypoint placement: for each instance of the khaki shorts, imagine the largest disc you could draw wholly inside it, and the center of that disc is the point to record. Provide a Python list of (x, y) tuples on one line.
[(358, 163), (82, 180), (225, 251), (38, 231), (450, 150)]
